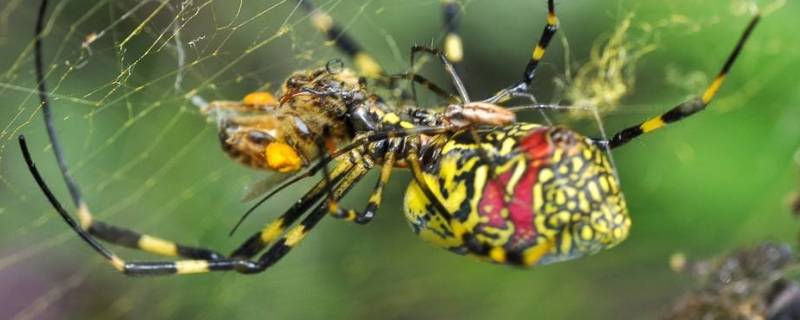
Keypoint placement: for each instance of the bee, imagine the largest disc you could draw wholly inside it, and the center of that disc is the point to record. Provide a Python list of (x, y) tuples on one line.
[(263, 133)]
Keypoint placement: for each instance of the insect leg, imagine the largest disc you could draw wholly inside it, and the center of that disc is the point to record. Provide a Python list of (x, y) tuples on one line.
[(686, 108)]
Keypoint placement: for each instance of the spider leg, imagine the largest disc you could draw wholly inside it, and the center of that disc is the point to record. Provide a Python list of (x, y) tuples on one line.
[(134, 240), (270, 232), (686, 108), (459, 86), (375, 199), (520, 88), (292, 237), (364, 62), (110, 233), (444, 94), (200, 264), (453, 54), (260, 240), (453, 46), (268, 259), (87, 223), (276, 252), (356, 143), (462, 91), (325, 24)]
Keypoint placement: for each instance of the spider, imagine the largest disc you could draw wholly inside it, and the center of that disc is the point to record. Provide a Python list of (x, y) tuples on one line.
[(483, 184)]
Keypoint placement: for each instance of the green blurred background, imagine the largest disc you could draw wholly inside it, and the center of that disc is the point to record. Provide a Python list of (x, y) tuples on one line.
[(147, 159)]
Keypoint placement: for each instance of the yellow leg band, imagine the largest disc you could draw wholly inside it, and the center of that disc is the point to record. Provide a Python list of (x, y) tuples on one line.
[(552, 19), (453, 48), (367, 65), (538, 53), (712, 89), (295, 236), (118, 263), (84, 216), (272, 231), (157, 246), (652, 124), (191, 266)]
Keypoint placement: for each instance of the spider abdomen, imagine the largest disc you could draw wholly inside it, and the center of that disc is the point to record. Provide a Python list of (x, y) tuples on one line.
[(548, 194)]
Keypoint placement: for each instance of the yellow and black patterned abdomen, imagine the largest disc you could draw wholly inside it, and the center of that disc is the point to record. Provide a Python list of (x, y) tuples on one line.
[(552, 196)]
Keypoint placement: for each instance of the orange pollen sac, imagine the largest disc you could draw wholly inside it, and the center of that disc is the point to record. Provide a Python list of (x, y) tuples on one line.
[(282, 158), (256, 99)]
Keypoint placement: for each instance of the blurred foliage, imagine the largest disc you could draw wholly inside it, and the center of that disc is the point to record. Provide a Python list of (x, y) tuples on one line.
[(750, 283), (147, 159)]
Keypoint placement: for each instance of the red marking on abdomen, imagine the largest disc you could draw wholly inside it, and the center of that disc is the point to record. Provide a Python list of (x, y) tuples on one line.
[(520, 209), (492, 202), (537, 150), (537, 144)]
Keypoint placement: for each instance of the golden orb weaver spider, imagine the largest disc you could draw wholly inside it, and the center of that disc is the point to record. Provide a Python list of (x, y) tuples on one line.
[(515, 193)]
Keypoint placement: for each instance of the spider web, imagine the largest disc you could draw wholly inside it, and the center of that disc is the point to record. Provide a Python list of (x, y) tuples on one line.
[(122, 74)]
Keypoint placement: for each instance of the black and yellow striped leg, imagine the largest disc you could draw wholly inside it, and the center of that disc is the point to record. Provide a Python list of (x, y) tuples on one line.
[(360, 141), (200, 265), (88, 228), (134, 240), (245, 266), (350, 157), (453, 46), (375, 198), (521, 88), (186, 266), (260, 240), (88, 238), (293, 237), (276, 252), (687, 108), (325, 24), (117, 235)]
